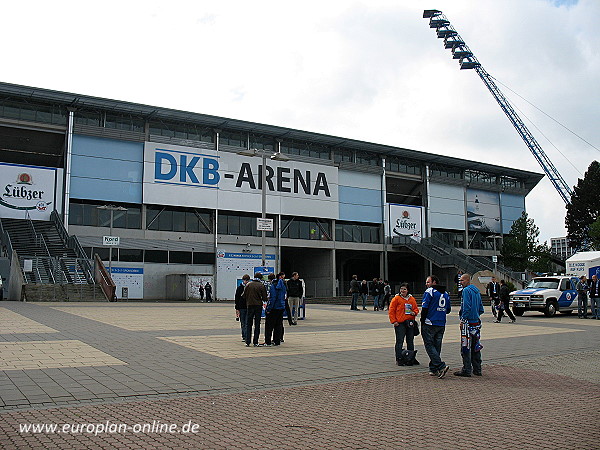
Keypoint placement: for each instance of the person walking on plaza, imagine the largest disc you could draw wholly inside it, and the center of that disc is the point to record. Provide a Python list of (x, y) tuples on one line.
[(355, 292), (402, 312), (434, 308), (255, 294), (504, 306), (493, 292), (582, 301), (201, 292), (471, 307), (387, 294), (377, 291), (295, 292), (275, 309), (208, 290), (595, 297), (241, 310), (364, 292)]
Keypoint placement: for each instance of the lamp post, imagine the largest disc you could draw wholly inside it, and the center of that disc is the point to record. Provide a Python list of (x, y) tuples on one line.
[(275, 156), (112, 209), (494, 237)]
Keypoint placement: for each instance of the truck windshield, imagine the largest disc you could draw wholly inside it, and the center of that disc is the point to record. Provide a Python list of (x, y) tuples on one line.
[(543, 283)]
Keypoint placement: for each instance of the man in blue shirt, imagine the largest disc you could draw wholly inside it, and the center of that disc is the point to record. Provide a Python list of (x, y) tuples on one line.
[(435, 307), (471, 308)]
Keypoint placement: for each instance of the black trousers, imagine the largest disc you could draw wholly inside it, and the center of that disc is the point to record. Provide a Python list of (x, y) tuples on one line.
[(507, 311), (274, 326)]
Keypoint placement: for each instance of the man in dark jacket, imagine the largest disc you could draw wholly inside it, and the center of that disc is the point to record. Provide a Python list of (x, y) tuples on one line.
[(493, 291), (504, 303), (275, 309), (355, 292), (595, 297), (295, 292), (255, 294), (241, 310)]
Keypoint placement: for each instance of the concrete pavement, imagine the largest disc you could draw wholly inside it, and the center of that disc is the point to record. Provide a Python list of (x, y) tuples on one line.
[(332, 384)]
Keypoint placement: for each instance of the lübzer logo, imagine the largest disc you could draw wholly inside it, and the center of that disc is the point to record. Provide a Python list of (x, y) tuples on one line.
[(404, 224), (14, 196)]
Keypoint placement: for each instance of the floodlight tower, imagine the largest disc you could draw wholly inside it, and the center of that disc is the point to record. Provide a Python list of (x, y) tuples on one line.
[(467, 60)]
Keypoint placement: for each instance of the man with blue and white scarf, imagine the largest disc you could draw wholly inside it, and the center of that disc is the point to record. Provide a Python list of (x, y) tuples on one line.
[(471, 308)]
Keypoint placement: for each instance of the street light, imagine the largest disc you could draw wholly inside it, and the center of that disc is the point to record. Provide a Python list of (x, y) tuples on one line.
[(276, 156), (112, 209)]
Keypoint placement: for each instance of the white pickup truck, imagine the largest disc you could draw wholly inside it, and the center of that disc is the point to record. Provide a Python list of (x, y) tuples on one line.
[(547, 294)]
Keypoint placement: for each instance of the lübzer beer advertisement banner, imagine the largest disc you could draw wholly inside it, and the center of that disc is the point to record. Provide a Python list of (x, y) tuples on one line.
[(405, 220), (26, 189)]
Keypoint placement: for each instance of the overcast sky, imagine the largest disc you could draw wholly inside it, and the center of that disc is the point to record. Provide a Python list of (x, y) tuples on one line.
[(371, 70)]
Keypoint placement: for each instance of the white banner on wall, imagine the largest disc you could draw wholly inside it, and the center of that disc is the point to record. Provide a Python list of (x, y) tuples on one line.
[(192, 177), (405, 220), (483, 211), (26, 189), (131, 278)]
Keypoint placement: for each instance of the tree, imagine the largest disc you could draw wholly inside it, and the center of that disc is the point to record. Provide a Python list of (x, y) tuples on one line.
[(595, 234), (584, 208), (521, 249)]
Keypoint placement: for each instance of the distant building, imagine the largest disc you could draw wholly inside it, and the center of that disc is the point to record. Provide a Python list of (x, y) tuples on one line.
[(560, 247)]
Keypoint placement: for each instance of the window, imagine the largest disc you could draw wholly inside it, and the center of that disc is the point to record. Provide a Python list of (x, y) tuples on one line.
[(367, 158), (87, 118), (446, 171), (343, 155), (34, 112), (203, 258), (233, 138), (176, 257), (124, 122), (303, 228), (82, 212), (179, 130), (396, 164), (240, 224), (477, 176), (189, 220), (262, 143), (156, 256), (305, 149), (131, 255), (353, 232)]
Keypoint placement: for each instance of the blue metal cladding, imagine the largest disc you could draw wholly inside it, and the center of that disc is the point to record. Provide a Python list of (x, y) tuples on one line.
[(360, 204), (107, 169)]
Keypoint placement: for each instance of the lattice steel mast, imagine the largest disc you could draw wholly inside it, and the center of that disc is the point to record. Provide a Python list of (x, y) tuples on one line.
[(467, 60)]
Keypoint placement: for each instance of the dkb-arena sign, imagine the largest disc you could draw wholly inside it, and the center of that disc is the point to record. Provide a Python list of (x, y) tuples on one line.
[(184, 176)]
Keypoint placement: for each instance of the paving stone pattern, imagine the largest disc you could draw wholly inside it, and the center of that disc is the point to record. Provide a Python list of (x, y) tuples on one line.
[(332, 384)]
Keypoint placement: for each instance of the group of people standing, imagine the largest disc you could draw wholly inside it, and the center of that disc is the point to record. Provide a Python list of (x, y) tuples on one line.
[(205, 289), (587, 289), (379, 289), (435, 306), (280, 297)]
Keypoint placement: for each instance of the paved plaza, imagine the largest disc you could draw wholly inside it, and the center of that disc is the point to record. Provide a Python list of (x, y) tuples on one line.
[(176, 375)]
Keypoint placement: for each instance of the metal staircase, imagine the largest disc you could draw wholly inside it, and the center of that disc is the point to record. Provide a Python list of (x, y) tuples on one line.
[(52, 263)]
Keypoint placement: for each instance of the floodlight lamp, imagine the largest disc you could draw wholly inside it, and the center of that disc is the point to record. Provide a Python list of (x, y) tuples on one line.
[(279, 157)]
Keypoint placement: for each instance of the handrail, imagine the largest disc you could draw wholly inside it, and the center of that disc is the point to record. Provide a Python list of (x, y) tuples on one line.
[(73, 243), (104, 280)]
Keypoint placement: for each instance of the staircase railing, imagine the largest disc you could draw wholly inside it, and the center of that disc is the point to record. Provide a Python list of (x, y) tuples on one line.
[(104, 279), (73, 243)]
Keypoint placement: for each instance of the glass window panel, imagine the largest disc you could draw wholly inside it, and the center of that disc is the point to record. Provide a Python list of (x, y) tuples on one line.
[(119, 219), (233, 225), (75, 214), (134, 218), (176, 257), (151, 218), (178, 220), (192, 224), (222, 224), (102, 253), (165, 220), (156, 256), (247, 226), (131, 255), (203, 258)]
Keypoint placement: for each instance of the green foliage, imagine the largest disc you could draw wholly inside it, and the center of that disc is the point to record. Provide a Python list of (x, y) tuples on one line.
[(521, 249), (595, 234), (584, 209)]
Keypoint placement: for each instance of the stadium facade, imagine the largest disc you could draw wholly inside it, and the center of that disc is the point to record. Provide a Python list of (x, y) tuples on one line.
[(184, 194)]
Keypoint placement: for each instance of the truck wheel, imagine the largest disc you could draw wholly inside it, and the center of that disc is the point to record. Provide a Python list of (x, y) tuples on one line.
[(550, 310), (518, 311)]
